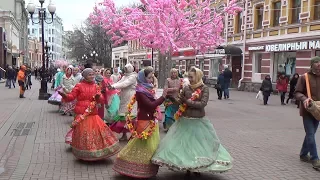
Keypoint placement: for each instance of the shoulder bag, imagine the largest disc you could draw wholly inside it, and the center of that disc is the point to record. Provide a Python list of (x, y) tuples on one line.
[(314, 107)]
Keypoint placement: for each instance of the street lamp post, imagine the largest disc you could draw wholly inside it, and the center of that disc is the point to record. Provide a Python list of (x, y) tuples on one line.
[(43, 92), (94, 54), (47, 48)]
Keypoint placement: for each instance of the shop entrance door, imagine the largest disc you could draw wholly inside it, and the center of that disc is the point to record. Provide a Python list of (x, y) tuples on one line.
[(236, 70)]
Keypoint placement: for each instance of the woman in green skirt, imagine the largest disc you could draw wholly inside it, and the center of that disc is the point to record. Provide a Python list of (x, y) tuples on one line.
[(192, 144)]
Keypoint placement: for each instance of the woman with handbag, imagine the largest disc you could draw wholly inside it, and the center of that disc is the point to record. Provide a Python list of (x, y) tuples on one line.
[(266, 88), (91, 138), (220, 85)]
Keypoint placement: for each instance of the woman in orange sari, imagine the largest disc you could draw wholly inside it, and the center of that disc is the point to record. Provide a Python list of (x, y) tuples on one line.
[(91, 138)]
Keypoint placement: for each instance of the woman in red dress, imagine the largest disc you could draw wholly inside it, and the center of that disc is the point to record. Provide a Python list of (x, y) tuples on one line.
[(91, 138)]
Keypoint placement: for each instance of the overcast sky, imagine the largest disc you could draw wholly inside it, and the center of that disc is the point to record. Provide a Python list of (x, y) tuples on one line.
[(73, 12)]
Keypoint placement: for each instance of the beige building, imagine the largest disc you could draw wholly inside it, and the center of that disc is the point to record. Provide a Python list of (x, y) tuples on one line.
[(14, 21), (35, 53)]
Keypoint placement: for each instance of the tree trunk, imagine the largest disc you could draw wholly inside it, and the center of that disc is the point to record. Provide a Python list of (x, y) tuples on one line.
[(165, 65)]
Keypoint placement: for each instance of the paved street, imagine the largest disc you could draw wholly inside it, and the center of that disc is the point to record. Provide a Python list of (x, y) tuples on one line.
[(264, 140)]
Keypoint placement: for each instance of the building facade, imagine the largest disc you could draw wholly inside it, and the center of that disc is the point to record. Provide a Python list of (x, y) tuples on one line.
[(120, 56), (35, 53), (282, 37), (53, 34), (13, 22)]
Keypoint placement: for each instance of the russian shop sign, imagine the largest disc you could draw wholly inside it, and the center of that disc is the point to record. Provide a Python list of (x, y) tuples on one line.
[(294, 46), (256, 48)]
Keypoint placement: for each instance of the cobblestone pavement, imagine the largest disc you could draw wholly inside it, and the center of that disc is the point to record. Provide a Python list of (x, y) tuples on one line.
[(264, 140)]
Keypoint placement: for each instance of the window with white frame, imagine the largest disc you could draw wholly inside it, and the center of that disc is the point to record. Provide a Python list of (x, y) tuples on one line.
[(284, 62), (214, 67), (257, 62)]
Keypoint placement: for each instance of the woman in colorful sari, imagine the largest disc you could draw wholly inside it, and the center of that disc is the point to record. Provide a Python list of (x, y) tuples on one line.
[(127, 86), (112, 100), (67, 84), (134, 160), (192, 144), (91, 138), (174, 84)]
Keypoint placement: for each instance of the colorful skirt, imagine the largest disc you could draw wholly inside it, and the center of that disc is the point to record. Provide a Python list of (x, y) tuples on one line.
[(93, 140), (170, 110), (196, 143), (119, 124), (134, 160), (67, 107), (113, 109)]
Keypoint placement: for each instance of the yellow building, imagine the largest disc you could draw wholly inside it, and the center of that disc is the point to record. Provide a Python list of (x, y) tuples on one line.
[(281, 37)]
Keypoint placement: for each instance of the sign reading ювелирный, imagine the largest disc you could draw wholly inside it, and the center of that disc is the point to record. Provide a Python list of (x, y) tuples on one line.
[(293, 46)]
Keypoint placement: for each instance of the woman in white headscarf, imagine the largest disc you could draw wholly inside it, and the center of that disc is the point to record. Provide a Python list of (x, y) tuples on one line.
[(127, 86), (67, 84)]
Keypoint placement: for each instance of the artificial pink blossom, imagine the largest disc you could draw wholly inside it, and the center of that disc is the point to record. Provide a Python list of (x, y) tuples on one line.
[(166, 25)]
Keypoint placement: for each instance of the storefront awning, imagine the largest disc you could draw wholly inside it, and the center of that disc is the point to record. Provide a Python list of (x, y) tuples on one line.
[(229, 50)]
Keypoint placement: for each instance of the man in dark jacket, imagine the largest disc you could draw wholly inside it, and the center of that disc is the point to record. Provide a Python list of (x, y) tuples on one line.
[(227, 74), (309, 121), (11, 76)]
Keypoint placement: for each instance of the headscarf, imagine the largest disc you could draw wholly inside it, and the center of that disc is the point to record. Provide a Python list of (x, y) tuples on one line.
[(86, 72), (99, 78), (313, 61), (172, 71), (198, 78), (143, 86), (129, 69)]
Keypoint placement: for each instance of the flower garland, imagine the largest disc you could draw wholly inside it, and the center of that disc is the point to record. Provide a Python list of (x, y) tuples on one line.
[(134, 133), (183, 107), (89, 109)]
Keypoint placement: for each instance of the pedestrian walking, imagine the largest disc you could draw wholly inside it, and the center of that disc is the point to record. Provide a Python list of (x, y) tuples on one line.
[(282, 87), (21, 80), (67, 84), (220, 85), (266, 88), (28, 78), (293, 84), (35, 73), (11, 74), (227, 74), (308, 151)]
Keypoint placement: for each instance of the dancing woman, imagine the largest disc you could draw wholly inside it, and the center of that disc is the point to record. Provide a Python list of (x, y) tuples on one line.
[(67, 84), (192, 144), (173, 83), (127, 87), (134, 160), (112, 100), (91, 138)]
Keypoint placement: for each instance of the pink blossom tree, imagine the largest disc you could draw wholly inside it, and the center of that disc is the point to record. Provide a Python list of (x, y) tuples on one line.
[(165, 25)]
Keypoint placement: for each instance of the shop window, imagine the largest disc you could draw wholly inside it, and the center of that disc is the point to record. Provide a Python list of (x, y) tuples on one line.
[(316, 10), (32, 31), (258, 17), (318, 53), (28, 31), (284, 62), (257, 62), (295, 11), (238, 23), (214, 67), (276, 6)]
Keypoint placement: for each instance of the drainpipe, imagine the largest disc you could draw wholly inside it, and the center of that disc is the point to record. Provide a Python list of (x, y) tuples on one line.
[(244, 42)]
